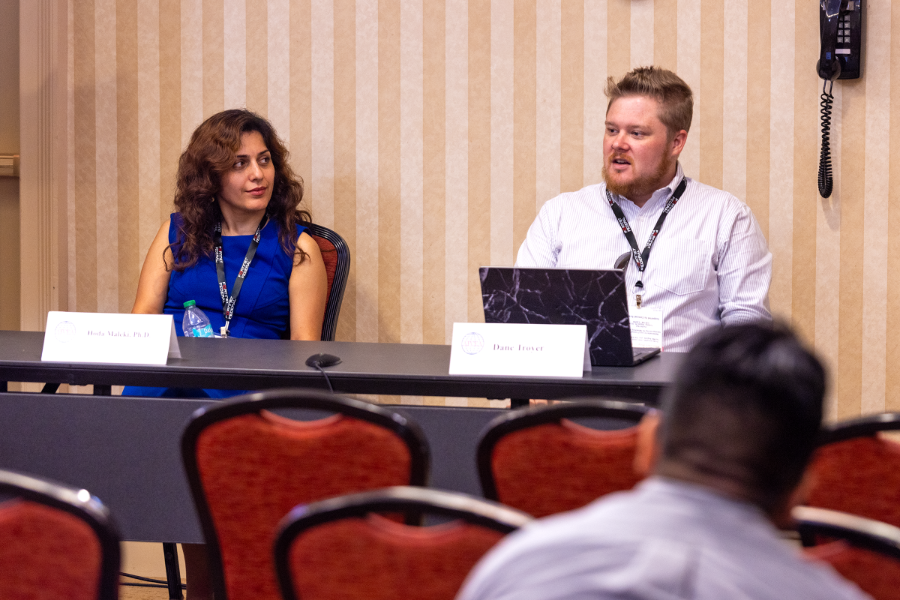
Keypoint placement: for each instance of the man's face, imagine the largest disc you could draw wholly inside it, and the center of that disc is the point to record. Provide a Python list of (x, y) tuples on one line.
[(638, 154)]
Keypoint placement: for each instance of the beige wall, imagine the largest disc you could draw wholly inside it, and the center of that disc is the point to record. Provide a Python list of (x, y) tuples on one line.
[(9, 144), (430, 132)]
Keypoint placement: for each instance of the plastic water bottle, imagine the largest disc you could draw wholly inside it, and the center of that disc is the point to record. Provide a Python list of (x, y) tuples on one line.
[(195, 322)]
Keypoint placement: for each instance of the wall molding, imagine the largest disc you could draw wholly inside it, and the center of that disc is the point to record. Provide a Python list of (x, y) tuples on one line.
[(43, 101)]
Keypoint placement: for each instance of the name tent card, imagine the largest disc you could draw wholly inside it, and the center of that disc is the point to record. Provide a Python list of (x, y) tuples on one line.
[(528, 350), (109, 338)]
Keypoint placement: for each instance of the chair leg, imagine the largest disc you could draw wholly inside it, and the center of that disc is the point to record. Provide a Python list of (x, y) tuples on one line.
[(173, 572), (50, 388)]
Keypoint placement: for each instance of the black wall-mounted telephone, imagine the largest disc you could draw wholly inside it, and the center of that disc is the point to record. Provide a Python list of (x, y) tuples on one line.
[(840, 28)]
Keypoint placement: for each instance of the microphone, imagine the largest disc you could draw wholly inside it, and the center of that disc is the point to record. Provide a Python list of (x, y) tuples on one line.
[(320, 361)]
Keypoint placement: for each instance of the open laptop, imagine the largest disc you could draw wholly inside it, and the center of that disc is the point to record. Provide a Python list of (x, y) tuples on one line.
[(596, 298)]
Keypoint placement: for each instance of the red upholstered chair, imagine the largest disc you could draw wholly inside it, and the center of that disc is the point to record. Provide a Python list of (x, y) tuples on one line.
[(336, 255), (248, 467), (856, 470), (866, 552), (539, 461), (55, 542), (338, 549)]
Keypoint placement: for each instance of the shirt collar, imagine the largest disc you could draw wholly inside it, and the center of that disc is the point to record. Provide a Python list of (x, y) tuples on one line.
[(658, 484)]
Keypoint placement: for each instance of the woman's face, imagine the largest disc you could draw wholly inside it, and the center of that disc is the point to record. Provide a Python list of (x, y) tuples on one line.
[(247, 187)]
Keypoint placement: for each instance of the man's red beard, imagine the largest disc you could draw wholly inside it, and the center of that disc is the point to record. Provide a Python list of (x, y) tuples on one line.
[(640, 185)]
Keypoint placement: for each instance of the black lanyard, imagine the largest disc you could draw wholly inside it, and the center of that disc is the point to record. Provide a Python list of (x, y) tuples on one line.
[(228, 302), (641, 258)]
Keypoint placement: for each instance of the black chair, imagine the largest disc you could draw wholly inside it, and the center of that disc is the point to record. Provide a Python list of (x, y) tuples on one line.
[(248, 467), (856, 470), (539, 461), (336, 255), (343, 547), (867, 552), (57, 542)]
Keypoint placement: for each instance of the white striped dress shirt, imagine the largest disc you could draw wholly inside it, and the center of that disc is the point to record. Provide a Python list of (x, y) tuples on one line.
[(710, 264)]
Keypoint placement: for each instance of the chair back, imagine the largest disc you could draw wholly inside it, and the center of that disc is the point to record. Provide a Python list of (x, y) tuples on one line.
[(539, 461), (336, 255), (856, 470), (247, 467), (339, 549), (865, 551), (55, 542)]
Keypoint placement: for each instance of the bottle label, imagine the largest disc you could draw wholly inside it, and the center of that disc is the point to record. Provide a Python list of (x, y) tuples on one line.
[(205, 331)]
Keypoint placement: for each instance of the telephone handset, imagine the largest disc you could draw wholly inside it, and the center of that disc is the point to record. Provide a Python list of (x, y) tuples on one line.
[(840, 26)]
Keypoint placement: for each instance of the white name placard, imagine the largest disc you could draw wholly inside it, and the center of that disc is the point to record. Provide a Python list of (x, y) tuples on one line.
[(110, 338), (516, 349)]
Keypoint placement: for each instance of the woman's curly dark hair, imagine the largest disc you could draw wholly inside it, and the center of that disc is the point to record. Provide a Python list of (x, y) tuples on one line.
[(211, 153)]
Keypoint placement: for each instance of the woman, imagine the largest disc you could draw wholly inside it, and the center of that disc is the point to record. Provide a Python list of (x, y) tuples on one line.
[(234, 176), (234, 184)]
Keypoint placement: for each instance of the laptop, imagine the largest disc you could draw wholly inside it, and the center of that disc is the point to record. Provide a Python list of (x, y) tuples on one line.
[(596, 298)]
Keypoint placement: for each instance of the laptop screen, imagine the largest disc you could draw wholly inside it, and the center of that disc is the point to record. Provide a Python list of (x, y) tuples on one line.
[(596, 298)]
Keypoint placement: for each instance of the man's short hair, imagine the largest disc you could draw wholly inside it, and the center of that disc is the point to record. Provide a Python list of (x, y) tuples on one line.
[(675, 98), (746, 407)]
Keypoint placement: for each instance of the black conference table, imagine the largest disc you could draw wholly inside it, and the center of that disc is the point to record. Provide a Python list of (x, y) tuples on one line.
[(366, 368), (125, 450)]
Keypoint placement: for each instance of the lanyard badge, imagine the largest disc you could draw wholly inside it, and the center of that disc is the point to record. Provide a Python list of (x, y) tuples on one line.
[(641, 257), (229, 301)]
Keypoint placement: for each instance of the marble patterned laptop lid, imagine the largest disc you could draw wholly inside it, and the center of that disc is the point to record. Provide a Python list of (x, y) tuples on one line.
[(596, 298)]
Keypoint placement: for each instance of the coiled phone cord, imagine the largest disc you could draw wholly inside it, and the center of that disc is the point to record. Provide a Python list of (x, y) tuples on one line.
[(826, 182)]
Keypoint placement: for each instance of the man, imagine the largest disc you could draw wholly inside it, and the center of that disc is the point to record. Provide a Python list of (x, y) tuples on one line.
[(737, 430), (709, 264)]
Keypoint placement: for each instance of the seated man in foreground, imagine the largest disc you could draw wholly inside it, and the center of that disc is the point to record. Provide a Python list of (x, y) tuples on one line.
[(732, 443)]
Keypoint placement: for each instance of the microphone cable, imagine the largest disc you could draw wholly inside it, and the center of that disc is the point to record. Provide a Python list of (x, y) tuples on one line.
[(325, 375), (826, 181)]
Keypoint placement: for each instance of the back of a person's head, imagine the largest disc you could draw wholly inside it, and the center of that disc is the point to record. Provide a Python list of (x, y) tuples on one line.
[(744, 410)]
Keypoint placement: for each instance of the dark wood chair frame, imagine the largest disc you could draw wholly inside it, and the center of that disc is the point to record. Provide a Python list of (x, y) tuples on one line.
[(854, 428), (329, 329), (81, 505), (408, 431), (338, 284), (525, 418), (408, 500), (860, 532)]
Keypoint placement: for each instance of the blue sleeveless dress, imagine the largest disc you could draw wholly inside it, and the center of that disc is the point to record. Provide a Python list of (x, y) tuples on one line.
[(263, 307)]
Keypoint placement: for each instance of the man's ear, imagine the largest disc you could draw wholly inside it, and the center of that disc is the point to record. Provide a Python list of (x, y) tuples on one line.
[(678, 142), (647, 450)]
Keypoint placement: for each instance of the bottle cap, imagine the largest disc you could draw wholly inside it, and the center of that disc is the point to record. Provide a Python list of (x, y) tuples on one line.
[(190, 303)]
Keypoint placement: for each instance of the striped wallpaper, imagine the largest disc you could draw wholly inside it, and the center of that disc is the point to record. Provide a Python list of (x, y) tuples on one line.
[(429, 132)]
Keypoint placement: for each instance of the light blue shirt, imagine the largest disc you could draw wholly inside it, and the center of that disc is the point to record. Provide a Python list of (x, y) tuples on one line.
[(709, 266), (664, 540)]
